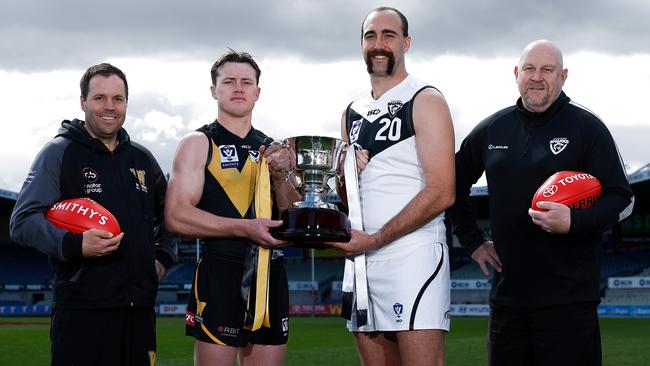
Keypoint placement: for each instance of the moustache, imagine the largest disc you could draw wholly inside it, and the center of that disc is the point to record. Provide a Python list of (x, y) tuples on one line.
[(379, 52)]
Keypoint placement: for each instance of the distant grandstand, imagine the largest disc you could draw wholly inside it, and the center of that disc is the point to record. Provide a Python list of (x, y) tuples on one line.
[(315, 282)]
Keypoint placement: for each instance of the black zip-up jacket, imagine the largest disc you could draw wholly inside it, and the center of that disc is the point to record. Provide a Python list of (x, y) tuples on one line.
[(130, 184), (519, 150)]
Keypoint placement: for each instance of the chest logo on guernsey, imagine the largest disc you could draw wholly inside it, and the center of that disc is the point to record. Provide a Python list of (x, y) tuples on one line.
[(558, 144), (354, 130), (394, 106), (228, 155)]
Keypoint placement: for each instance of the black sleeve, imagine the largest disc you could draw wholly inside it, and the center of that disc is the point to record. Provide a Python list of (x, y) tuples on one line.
[(469, 168), (166, 243), (28, 225), (603, 161)]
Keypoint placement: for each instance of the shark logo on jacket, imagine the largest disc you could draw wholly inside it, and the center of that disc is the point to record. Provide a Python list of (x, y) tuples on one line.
[(558, 144), (139, 176), (394, 106)]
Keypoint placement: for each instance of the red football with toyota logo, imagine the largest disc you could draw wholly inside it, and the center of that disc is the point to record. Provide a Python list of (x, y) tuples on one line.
[(80, 214), (574, 189)]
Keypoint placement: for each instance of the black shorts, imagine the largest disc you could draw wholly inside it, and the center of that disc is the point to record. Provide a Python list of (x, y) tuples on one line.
[(566, 335), (216, 290), (103, 337)]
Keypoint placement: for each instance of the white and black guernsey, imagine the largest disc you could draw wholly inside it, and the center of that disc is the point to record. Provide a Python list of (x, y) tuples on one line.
[(393, 176)]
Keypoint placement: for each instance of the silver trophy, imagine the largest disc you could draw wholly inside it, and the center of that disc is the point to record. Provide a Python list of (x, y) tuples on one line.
[(313, 220)]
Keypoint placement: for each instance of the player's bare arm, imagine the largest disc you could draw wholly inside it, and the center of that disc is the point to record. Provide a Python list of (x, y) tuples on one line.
[(184, 192)]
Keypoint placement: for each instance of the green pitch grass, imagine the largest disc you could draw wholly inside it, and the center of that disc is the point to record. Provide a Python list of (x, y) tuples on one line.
[(323, 341)]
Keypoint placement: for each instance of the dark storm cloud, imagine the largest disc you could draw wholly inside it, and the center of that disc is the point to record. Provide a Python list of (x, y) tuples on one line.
[(44, 34)]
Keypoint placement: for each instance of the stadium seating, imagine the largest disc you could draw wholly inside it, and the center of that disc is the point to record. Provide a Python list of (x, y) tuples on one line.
[(23, 266)]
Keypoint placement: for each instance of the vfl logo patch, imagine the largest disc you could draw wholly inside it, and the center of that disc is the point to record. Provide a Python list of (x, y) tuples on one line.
[(394, 106), (228, 155), (255, 155), (285, 324), (354, 130), (398, 309), (558, 144)]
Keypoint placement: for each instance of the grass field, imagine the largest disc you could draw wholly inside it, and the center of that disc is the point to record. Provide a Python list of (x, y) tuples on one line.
[(324, 341)]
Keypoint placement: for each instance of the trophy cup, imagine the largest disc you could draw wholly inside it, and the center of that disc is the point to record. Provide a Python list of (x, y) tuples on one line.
[(312, 221)]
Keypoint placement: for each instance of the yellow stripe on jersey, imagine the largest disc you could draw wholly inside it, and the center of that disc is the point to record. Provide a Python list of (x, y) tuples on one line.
[(233, 181)]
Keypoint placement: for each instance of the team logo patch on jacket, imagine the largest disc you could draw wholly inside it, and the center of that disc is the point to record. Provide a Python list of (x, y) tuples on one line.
[(139, 176), (558, 144)]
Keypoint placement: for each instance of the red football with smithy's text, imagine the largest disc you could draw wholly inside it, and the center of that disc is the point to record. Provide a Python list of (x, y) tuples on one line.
[(574, 189), (80, 214)]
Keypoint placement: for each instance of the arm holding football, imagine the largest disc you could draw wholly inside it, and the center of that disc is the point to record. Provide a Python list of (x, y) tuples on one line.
[(556, 219), (40, 191), (97, 243), (617, 200)]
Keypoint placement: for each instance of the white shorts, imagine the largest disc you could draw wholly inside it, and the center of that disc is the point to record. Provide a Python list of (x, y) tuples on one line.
[(409, 292)]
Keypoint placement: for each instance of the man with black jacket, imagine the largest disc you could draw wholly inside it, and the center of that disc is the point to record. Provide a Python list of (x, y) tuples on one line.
[(104, 286), (544, 297)]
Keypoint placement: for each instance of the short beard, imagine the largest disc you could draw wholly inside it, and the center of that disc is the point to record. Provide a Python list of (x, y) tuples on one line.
[(388, 54), (531, 104)]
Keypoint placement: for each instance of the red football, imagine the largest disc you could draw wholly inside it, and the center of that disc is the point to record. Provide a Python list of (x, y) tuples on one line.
[(574, 189), (80, 214)]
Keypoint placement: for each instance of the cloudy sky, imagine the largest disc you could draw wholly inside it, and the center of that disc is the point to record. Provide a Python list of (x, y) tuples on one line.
[(311, 63)]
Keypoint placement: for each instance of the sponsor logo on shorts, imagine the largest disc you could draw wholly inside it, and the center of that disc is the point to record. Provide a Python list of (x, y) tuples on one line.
[(448, 314), (189, 319), (285, 324), (228, 331), (398, 309)]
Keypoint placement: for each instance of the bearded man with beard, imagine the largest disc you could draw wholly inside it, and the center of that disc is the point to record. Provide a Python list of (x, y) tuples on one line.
[(545, 289), (405, 164)]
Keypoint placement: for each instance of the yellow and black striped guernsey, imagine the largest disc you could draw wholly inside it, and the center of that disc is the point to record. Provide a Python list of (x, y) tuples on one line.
[(230, 173)]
